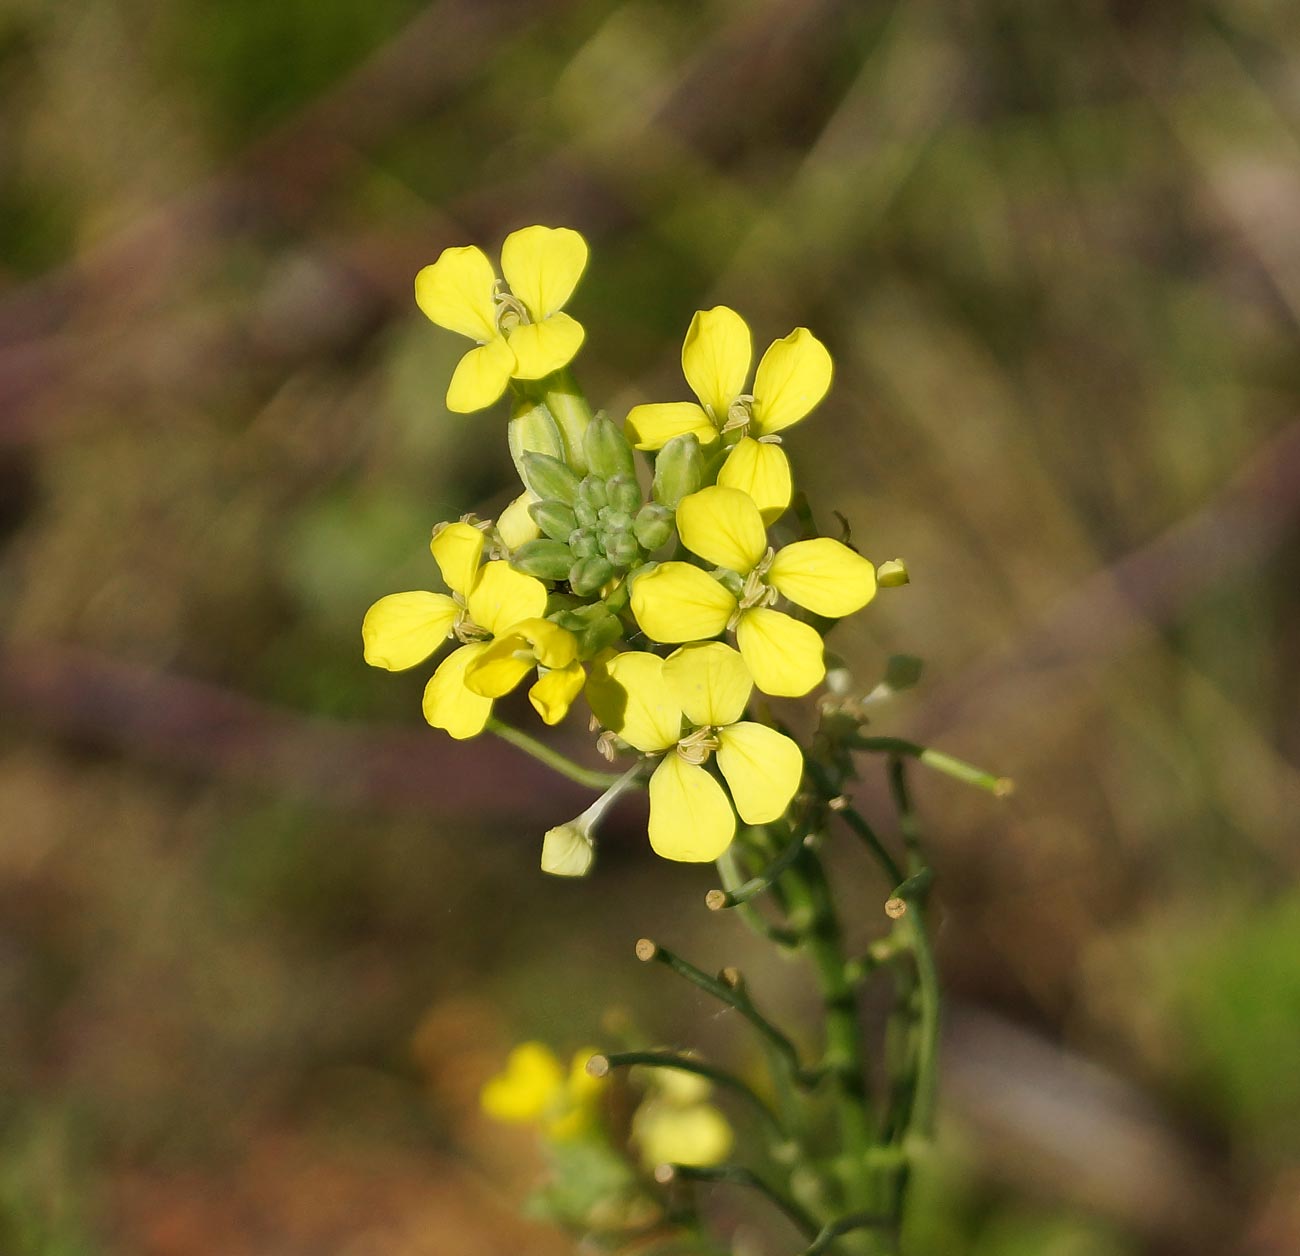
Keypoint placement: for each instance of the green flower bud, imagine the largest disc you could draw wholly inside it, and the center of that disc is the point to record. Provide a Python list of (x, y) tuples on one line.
[(892, 574), (568, 851), (734, 584), (679, 470), (554, 518), (653, 526), (547, 560), (622, 549), (587, 575), (587, 514), (550, 478), (593, 492), (599, 634), (624, 494), (584, 543), (615, 520), (607, 450)]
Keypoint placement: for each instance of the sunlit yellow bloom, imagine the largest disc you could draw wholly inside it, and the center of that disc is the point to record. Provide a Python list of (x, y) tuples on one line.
[(679, 602), (676, 1123), (534, 1089), (515, 525), (521, 333), (793, 376), (496, 612), (688, 708)]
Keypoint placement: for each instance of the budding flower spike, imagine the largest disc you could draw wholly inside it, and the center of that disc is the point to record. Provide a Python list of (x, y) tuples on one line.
[(521, 329), (792, 378), (635, 569)]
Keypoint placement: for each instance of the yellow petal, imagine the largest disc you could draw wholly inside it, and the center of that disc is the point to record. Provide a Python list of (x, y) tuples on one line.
[(627, 694), (762, 769), (711, 682), (403, 629), (791, 379), (784, 656), (515, 526), (456, 293), (715, 359), (652, 426), (824, 577), (723, 526), (457, 549), (502, 597), (540, 348), (501, 666), (678, 602), (542, 265), (448, 704), (552, 645), (762, 470), (697, 1134), (691, 820), (480, 377), (528, 1086), (554, 692)]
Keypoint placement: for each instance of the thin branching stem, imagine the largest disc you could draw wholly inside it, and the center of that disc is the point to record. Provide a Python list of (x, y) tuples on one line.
[(553, 759), (738, 1175)]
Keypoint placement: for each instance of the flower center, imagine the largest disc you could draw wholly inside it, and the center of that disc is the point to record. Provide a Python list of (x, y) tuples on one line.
[(696, 747), (755, 591), (510, 310), (740, 414)]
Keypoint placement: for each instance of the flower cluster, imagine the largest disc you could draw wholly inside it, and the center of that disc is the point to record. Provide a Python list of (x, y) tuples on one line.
[(670, 596)]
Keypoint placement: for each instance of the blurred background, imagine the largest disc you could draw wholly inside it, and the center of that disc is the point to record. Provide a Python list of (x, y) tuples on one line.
[(263, 933)]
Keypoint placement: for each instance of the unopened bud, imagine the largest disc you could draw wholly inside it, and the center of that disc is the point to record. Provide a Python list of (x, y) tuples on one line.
[(892, 574), (549, 478), (624, 494), (546, 560), (621, 549), (653, 526), (568, 850), (587, 575), (584, 543), (679, 470), (607, 450), (555, 519), (593, 492)]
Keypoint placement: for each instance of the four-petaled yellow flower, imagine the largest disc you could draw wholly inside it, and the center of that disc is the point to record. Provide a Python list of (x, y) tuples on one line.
[(522, 332), (497, 613), (792, 378), (644, 699), (681, 602), (534, 1089)]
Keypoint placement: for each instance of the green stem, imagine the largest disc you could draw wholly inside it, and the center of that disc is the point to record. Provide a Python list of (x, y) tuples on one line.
[(959, 769), (739, 1176), (600, 1065), (720, 900), (553, 759)]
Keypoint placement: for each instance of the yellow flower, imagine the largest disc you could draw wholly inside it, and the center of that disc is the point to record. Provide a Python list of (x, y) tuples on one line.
[(687, 708), (497, 613), (792, 378), (534, 1089), (521, 332), (676, 1123), (680, 602)]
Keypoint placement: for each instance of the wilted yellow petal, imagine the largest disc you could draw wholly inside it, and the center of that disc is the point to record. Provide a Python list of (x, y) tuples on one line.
[(554, 692), (448, 704), (515, 526), (678, 602), (502, 597), (403, 629), (652, 426), (627, 694), (716, 357), (762, 769), (711, 682), (457, 548), (540, 348), (456, 292), (723, 526), (762, 470), (531, 1083), (791, 379), (542, 265), (697, 1134), (824, 577), (784, 656), (691, 820), (480, 377)]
